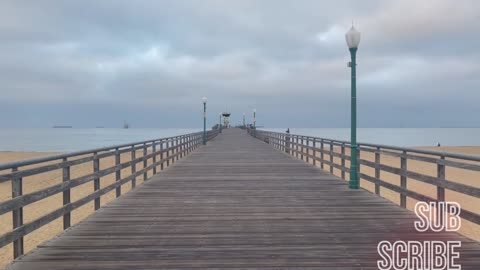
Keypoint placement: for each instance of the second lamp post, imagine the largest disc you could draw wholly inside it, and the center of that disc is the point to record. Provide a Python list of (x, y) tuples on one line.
[(204, 100), (254, 122)]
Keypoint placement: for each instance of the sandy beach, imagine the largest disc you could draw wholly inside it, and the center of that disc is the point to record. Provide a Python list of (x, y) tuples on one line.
[(44, 180), (40, 208)]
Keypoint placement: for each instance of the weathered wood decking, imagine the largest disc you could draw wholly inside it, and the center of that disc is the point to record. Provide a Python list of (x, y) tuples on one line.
[(237, 204)]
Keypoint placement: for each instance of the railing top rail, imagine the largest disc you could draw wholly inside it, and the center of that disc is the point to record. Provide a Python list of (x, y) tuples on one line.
[(26, 162), (407, 149)]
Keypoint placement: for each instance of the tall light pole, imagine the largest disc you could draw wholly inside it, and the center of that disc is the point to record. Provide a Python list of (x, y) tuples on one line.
[(204, 100), (243, 120), (254, 122), (220, 122), (353, 39)]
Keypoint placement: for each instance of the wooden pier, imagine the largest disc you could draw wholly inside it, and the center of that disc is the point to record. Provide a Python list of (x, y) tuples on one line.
[(237, 203)]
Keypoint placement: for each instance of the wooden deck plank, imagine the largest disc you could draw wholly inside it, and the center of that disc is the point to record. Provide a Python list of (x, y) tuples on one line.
[(237, 204)]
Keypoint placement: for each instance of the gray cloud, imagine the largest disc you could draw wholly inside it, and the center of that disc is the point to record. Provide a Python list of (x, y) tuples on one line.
[(137, 60)]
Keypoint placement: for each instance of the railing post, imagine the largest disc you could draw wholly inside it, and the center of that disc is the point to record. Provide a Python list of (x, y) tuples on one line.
[(441, 175), (192, 143), (314, 145), (403, 179), (133, 167), (96, 179), (177, 148), (181, 145), (66, 195), (441, 190), (296, 146), (186, 142), (377, 170), (145, 162), (343, 161), (184, 146), (17, 214), (278, 141), (322, 148), (331, 157), (287, 143), (308, 149), (118, 173), (161, 155), (301, 147), (168, 152), (154, 161)]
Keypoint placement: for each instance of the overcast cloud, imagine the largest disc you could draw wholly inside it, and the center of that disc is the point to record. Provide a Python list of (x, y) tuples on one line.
[(89, 63)]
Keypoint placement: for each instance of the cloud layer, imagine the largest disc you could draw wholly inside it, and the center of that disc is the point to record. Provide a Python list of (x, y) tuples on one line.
[(90, 63)]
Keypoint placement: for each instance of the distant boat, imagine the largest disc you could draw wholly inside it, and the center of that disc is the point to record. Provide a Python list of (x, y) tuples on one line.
[(125, 125), (62, 126), (99, 127)]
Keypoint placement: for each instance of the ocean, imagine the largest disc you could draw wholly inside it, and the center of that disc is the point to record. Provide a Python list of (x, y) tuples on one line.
[(75, 139), (407, 137)]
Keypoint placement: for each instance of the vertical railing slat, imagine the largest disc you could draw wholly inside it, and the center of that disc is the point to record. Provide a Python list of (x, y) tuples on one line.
[(441, 190), (343, 161), (168, 152), (358, 166), (314, 145), (307, 146), (118, 173), (145, 162), (161, 155), (287, 144), (377, 170), (441, 175), (296, 146), (66, 195), (403, 179), (322, 148), (177, 147), (17, 214), (301, 148), (96, 179), (154, 160), (133, 167), (331, 157)]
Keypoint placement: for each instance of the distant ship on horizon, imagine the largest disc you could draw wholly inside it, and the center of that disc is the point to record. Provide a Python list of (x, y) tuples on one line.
[(62, 127)]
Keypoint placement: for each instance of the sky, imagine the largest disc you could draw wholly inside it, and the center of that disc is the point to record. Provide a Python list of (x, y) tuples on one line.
[(97, 63)]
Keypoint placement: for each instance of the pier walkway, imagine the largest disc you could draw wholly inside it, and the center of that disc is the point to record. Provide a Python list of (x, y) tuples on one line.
[(237, 203)]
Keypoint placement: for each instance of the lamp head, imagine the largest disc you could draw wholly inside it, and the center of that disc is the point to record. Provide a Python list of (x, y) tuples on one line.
[(353, 38)]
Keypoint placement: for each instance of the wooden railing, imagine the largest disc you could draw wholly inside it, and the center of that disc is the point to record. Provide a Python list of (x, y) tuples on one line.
[(331, 154), (160, 153)]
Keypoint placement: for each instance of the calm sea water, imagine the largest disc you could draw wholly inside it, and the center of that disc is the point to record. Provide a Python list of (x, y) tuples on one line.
[(74, 139), (408, 137)]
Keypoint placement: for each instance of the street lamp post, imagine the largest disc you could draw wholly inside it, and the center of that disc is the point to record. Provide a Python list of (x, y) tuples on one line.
[(255, 123), (220, 122), (243, 120), (204, 100), (353, 39)]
